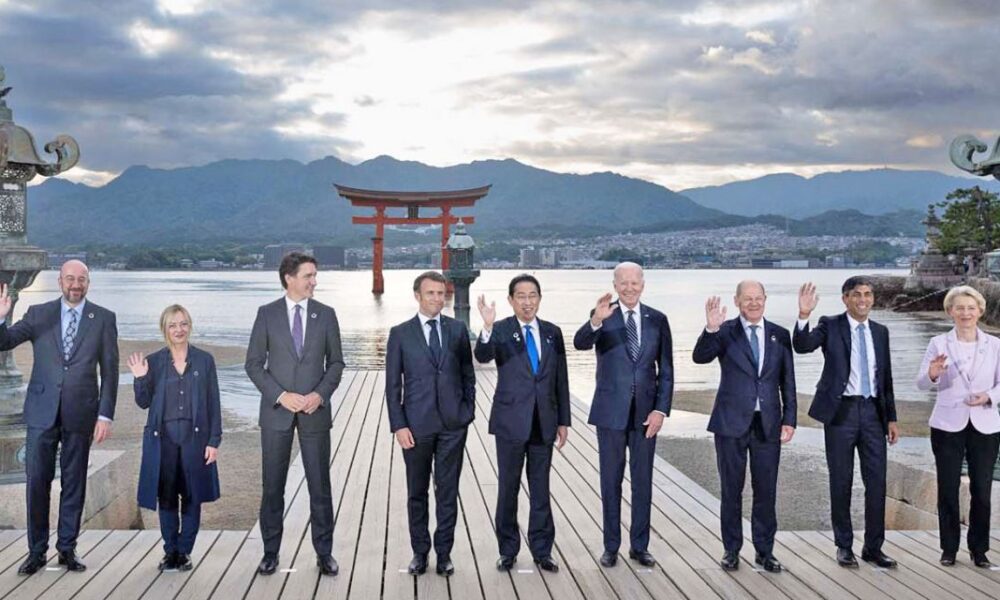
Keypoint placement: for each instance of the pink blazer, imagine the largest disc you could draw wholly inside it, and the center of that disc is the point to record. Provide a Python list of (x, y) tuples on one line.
[(954, 387)]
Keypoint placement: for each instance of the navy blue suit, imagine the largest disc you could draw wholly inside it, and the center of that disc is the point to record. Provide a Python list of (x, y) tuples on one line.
[(851, 422), (627, 391), (61, 407), (436, 400), (527, 410), (739, 429)]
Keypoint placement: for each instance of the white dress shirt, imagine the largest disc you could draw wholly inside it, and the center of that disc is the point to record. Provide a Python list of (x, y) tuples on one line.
[(427, 328), (486, 333), (290, 308), (760, 346), (854, 380)]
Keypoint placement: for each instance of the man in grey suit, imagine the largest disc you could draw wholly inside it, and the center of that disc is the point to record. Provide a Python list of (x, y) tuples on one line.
[(72, 340), (295, 360)]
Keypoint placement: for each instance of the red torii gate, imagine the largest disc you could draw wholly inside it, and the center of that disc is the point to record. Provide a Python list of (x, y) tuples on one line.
[(381, 200)]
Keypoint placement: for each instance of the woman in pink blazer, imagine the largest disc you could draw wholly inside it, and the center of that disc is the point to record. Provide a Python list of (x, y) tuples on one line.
[(963, 366)]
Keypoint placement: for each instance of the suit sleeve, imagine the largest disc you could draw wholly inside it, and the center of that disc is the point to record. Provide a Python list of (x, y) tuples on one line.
[(465, 361), (789, 400), (143, 387), (707, 348), (394, 382), (257, 358), (334, 361), (214, 406), (14, 335), (586, 335), (890, 397), (665, 379), (109, 367), (562, 380), (486, 351), (806, 340)]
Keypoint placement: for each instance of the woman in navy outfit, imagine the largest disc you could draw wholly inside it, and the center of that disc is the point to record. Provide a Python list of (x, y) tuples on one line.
[(179, 386)]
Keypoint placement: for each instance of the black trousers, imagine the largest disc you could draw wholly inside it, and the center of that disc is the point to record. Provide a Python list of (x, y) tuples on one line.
[(180, 519), (857, 426), (41, 447), (612, 445), (979, 450), (314, 448), (731, 458), (440, 454), (510, 464)]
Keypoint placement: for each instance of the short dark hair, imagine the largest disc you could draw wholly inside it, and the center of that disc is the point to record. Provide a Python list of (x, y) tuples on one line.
[(432, 275), (290, 265), (520, 279), (855, 281)]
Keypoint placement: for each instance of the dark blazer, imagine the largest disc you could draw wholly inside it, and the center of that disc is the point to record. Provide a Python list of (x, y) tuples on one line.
[(519, 391), (833, 335), (651, 375), (274, 367), (206, 419), (424, 396), (740, 386), (75, 380)]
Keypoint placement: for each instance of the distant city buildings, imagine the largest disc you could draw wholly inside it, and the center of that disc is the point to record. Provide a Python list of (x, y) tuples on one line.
[(56, 259), (330, 257), (531, 257), (275, 252)]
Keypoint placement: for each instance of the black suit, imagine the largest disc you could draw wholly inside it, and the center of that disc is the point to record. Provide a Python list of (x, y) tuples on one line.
[(740, 429), (851, 422), (436, 400), (527, 410), (61, 407)]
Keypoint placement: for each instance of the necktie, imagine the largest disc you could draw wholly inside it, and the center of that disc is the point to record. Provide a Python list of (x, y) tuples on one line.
[(633, 336), (866, 383), (755, 347), (70, 334), (529, 341), (297, 337), (435, 342)]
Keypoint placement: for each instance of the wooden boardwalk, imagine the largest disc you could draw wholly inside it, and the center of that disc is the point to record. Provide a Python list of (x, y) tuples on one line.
[(372, 544)]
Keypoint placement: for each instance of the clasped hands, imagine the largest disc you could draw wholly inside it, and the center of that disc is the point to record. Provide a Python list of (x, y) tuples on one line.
[(307, 403)]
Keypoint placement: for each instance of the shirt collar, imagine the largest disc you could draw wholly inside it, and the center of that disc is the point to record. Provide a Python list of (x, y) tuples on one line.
[(424, 318), (78, 308), (533, 323), (746, 324), (290, 306), (854, 322), (625, 309)]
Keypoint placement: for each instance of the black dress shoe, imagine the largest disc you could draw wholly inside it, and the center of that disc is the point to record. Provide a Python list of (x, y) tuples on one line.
[(845, 558), (328, 565), (445, 567), (547, 564), (642, 557), (609, 559), (183, 562), (418, 565), (168, 563), (979, 559), (730, 560), (770, 564), (268, 565), (879, 558), (506, 563), (71, 561), (32, 564), (948, 559)]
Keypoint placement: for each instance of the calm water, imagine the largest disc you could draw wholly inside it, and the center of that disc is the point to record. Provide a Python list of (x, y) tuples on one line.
[(223, 306)]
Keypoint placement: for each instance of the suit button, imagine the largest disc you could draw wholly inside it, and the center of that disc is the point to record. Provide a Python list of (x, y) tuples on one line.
[(65, 368), (156, 433), (196, 430)]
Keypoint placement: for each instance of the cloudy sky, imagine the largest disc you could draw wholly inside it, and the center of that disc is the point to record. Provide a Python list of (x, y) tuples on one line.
[(683, 92)]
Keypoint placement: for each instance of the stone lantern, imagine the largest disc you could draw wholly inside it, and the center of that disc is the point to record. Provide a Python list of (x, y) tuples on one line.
[(19, 262), (460, 270)]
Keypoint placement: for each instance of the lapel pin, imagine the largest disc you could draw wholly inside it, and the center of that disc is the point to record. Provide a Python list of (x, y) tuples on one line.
[(312, 316), (774, 338), (90, 315), (517, 337), (196, 373)]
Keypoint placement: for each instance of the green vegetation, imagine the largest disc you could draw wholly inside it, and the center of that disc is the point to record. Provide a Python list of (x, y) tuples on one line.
[(971, 219)]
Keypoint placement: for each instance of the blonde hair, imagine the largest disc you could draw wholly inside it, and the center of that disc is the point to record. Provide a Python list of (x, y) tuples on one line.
[(169, 312), (964, 290)]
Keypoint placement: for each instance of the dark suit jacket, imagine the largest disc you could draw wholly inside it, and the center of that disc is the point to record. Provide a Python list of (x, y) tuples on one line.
[(519, 391), (206, 419), (651, 375), (274, 367), (75, 381), (740, 386), (833, 335), (425, 397)]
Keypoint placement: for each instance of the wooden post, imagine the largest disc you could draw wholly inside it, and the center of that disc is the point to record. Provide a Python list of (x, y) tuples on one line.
[(378, 282)]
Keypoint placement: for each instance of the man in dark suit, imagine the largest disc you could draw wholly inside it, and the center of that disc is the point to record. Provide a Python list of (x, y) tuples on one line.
[(295, 360), (530, 412), (754, 414), (430, 388), (72, 340), (635, 385), (855, 403)]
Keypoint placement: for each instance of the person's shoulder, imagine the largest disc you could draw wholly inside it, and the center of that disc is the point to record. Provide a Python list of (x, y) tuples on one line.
[(95, 309), (653, 313), (315, 306), (197, 353)]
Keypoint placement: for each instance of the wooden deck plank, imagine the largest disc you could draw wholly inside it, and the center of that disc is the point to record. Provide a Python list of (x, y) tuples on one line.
[(143, 542), (990, 578), (954, 578), (203, 581), (396, 581), (36, 585), (96, 560), (880, 578), (169, 583)]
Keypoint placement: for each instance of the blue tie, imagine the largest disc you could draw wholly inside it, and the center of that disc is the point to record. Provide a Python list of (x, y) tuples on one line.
[(434, 342), (866, 384), (529, 341), (754, 347), (632, 335)]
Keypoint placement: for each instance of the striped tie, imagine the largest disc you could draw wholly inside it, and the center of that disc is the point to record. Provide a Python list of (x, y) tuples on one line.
[(633, 336)]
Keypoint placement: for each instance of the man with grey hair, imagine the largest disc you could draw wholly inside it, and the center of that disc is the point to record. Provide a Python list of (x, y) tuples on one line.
[(635, 384), (754, 414)]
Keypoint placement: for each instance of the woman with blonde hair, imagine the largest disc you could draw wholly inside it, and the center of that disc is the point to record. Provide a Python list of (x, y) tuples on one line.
[(963, 367), (179, 386)]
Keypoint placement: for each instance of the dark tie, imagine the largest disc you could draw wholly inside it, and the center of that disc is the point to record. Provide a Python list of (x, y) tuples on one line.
[(633, 336), (754, 347), (529, 341), (70, 334), (435, 342), (297, 331), (866, 383)]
